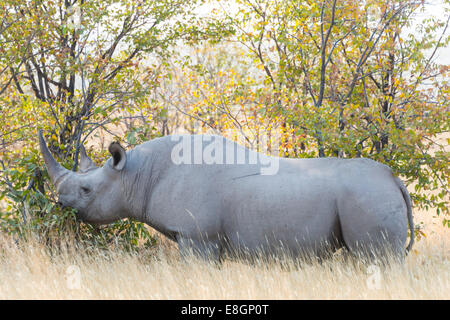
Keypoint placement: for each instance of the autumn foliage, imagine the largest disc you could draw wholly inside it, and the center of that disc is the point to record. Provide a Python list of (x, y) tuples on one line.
[(337, 78)]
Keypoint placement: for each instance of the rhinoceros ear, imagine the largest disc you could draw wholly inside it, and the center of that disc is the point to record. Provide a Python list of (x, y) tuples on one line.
[(119, 155)]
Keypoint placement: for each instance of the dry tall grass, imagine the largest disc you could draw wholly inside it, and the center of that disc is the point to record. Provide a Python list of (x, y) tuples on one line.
[(32, 271)]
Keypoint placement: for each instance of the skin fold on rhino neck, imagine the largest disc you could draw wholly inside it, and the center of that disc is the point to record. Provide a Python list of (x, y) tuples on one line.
[(138, 180)]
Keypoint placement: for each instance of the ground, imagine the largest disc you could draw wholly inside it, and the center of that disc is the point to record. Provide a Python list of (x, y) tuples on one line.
[(30, 271)]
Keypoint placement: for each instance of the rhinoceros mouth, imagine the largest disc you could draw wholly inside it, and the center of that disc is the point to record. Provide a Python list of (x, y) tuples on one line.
[(80, 216)]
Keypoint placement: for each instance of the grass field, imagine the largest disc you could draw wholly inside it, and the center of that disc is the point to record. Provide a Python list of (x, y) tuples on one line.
[(32, 271)]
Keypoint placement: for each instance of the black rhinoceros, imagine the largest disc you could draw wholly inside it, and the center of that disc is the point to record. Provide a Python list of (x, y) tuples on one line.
[(212, 196)]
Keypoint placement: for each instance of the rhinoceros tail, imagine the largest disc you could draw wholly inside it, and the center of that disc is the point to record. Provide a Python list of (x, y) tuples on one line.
[(407, 198)]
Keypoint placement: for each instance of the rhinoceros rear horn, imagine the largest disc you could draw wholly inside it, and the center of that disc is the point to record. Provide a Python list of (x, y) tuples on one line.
[(119, 155), (86, 163), (55, 170)]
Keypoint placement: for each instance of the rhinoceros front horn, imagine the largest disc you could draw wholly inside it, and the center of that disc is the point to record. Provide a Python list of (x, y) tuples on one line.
[(55, 170)]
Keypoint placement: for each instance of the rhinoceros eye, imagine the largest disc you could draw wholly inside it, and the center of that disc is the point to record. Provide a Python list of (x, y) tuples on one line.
[(85, 190)]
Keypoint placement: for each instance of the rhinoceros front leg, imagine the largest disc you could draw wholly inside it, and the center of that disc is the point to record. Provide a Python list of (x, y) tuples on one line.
[(206, 249)]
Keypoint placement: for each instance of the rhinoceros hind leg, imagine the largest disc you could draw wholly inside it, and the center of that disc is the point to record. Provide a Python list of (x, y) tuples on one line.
[(374, 228), (377, 246)]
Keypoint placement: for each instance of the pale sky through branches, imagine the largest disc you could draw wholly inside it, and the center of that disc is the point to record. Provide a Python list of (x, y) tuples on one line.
[(437, 9)]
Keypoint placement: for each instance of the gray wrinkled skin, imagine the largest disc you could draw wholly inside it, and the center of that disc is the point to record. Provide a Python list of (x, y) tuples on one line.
[(310, 206)]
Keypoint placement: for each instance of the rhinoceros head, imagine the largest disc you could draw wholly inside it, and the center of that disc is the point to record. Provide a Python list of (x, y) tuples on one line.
[(95, 192)]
